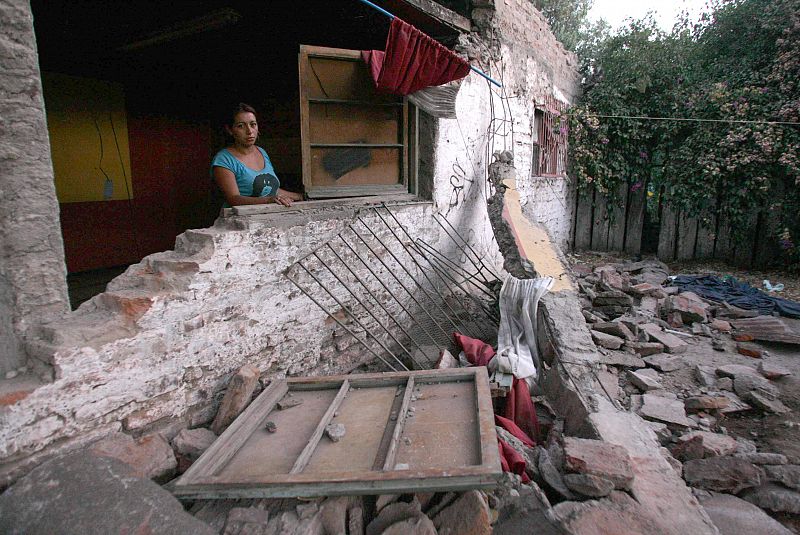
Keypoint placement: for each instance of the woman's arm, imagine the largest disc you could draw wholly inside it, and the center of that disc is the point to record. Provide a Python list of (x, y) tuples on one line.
[(227, 183), (291, 195)]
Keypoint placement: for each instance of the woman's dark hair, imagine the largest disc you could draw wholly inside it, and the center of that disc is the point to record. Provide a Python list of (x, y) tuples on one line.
[(239, 108)]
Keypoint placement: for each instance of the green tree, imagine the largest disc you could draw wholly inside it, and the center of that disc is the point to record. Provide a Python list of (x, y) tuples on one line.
[(568, 19)]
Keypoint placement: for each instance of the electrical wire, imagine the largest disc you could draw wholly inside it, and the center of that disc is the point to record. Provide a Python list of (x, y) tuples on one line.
[(692, 119), (127, 189)]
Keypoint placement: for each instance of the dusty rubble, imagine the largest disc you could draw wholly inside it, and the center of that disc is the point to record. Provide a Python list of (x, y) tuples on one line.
[(701, 371)]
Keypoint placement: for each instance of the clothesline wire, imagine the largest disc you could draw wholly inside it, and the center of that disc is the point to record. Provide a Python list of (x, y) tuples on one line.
[(692, 119), (391, 16)]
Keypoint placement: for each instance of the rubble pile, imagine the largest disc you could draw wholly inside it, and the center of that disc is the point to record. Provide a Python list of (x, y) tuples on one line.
[(647, 331)]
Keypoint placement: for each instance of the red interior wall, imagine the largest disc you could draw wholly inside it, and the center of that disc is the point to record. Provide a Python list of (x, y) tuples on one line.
[(171, 193)]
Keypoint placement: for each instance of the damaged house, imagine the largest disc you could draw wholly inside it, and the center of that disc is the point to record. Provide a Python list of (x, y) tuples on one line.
[(422, 207)]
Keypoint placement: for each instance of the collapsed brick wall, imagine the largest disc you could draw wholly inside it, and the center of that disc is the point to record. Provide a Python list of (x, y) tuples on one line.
[(32, 270), (155, 351)]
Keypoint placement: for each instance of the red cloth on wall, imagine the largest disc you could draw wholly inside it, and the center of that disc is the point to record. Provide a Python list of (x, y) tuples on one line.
[(412, 61), (512, 461)]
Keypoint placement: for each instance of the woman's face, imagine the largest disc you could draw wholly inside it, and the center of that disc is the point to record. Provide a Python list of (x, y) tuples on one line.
[(244, 129)]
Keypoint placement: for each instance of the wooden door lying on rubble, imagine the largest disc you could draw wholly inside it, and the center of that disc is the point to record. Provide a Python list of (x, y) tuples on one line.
[(422, 431)]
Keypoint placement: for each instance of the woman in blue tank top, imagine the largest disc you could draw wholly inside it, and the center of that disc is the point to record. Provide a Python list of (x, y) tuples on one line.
[(243, 170)]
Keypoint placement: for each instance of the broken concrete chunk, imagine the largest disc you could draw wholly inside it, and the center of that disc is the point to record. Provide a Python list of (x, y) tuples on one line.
[(649, 306), (335, 432), (150, 457), (612, 299), (550, 474), (588, 485), (333, 514), (664, 363), (745, 383), (772, 371), (385, 499), (774, 498), (84, 493), (663, 434), (468, 515), (664, 409), (706, 403), (761, 400), (690, 311), (643, 381), (355, 521), (734, 516), (725, 383), (614, 328), (598, 458), (646, 289), (720, 325), (237, 397), (787, 475), (705, 375), (765, 458), (671, 343), (750, 350), (714, 444), (418, 525), (246, 520), (732, 370), (722, 474), (606, 340), (191, 443), (644, 348), (620, 358), (736, 404), (689, 449), (391, 514)]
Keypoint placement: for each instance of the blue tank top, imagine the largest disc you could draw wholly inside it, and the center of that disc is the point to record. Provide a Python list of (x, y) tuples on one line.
[(251, 183)]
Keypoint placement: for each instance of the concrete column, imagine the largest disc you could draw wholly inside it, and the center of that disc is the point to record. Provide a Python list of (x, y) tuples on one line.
[(32, 270)]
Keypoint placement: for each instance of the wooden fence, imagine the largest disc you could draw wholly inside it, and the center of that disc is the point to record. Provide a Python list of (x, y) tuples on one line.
[(621, 227)]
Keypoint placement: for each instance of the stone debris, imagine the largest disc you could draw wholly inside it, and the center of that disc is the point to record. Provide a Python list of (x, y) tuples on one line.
[(774, 498), (85, 493), (644, 380), (734, 516), (787, 475), (598, 458), (705, 375), (614, 328), (723, 474), (706, 403), (589, 485), (664, 363), (772, 371), (712, 444), (237, 397), (246, 520), (191, 443), (392, 514), (671, 343), (551, 476), (607, 341), (764, 401), (150, 457), (335, 432), (467, 515), (764, 458), (644, 349), (750, 350), (662, 409)]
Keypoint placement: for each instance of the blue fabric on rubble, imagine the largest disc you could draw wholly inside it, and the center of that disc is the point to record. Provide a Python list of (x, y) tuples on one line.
[(738, 294)]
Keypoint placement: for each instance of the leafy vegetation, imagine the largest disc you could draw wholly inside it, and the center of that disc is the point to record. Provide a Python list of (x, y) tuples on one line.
[(737, 69)]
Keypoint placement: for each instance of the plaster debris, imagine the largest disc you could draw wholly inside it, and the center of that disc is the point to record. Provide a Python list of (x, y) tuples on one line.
[(335, 432)]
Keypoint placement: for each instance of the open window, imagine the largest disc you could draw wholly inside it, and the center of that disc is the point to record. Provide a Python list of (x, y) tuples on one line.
[(355, 141)]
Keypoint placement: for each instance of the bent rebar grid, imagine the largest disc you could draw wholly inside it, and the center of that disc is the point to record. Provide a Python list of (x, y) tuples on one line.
[(397, 295)]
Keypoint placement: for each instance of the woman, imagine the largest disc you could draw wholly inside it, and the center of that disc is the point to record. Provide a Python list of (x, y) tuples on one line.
[(243, 170)]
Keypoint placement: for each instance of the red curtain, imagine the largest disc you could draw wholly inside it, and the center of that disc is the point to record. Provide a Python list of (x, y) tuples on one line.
[(412, 61)]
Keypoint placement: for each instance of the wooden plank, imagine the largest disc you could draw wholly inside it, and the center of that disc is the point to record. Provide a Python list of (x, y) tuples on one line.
[(355, 190), (258, 209), (305, 114), (583, 221), (687, 236), (600, 223), (706, 237), (305, 457), (668, 233), (226, 446), (634, 225), (442, 14), (391, 452), (458, 399), (616, 223)]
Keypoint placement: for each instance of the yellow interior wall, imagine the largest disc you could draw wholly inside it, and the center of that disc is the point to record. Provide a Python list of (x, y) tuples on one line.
[(76, 109)]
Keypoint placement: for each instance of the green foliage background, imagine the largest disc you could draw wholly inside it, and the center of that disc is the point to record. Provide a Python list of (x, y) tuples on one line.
[(741, 62)]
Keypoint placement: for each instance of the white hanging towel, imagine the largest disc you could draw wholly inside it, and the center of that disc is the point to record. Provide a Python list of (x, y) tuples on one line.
[(517, 352)]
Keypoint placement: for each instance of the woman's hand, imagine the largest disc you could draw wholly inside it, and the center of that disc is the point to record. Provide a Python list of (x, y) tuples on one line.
[(282, 199)]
